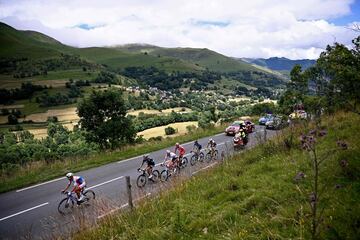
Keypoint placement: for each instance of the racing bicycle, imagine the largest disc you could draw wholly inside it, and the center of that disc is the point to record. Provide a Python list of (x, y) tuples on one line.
[(67, 204)]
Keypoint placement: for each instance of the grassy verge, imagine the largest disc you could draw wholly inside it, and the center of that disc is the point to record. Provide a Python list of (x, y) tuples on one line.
[(40, 171), (254, 195)]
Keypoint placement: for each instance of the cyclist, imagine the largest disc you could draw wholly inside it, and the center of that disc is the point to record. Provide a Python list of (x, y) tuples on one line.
[(212, 146), (79, 185), (181, 151), (170, 156), (197, 147), (150, 164)]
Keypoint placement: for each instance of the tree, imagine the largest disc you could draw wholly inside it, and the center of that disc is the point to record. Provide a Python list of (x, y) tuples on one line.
[(12, 119), (103, 115)]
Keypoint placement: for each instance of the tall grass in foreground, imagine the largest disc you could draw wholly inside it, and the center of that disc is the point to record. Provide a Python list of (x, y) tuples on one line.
[(41, 171), (255, 195)]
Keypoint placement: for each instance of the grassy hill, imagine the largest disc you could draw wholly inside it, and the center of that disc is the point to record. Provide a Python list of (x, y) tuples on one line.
[(255, 195), (280, 64), (204, 58)]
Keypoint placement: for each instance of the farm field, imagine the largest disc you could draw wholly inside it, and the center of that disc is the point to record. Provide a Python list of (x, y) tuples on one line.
[(160, 131), (64, 114), (165, 111)]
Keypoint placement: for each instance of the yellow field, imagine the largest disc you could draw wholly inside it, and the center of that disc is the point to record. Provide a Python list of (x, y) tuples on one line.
[(165, 111), (40, 133), (65, 114), (160, 131)]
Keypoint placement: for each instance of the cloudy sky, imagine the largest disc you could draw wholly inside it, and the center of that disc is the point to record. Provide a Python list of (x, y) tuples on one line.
[(240, 28)]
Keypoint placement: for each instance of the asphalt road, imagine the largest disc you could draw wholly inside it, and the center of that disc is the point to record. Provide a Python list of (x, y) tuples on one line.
[(32, 211)]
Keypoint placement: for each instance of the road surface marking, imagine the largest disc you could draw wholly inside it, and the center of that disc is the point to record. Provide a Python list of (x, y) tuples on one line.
[(100, 184), (37, 185), (126, 160), (204, 168), (24, 211)]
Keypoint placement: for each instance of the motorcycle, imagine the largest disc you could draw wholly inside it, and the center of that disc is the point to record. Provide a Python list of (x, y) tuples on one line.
[(239, 142)]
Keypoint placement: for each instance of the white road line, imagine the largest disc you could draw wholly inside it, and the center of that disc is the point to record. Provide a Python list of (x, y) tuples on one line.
[(126, 160), (24, 211), (203, 168), (100, 184), (37, 185)]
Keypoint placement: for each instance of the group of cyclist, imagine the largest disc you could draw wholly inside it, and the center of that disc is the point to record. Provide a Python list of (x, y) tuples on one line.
[(171, 159)]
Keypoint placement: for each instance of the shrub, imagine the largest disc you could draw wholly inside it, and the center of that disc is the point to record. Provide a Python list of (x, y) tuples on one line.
[(170, 130)]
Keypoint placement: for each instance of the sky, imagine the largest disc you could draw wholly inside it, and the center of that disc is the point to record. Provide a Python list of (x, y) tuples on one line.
[(295, 29)]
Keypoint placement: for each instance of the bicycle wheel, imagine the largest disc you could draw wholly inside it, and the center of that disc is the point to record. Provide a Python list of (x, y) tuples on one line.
[(208, 157), (89, 195), (65, 207), (164, 175), (201, 157), (193, 160), (156, 175), (184, 162), (141, 180)]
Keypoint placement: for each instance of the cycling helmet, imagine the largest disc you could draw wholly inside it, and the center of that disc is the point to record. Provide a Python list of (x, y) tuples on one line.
[(196, 142), (145, 156), (167, 152), (69, 175), (177, 144), (211, 140)]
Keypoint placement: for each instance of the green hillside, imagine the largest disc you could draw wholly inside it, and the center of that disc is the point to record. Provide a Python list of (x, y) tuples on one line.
[(205, 58), (18, 44)]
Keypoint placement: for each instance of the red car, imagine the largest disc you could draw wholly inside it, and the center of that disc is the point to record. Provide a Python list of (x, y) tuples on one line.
[(233, 128)]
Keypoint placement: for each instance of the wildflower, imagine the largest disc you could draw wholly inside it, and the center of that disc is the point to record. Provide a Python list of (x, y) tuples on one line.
[(299, 176), (343, 145), (322, 133), (344, 163), (313, 132), (312, 199)]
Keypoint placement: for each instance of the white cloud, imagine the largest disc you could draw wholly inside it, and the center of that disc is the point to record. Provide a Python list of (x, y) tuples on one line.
[(253, 28)]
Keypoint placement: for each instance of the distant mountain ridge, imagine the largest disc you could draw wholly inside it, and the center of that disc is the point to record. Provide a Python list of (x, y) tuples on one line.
[(280, 64)]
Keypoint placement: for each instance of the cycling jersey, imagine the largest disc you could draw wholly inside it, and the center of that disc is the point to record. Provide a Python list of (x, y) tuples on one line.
[(181, 150), (172, 156), (149, 161), (197, 146), (78, 181), (212, 144)]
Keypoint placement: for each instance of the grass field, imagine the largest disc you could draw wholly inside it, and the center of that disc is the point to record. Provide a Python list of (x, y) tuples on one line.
[(64, 114), (254, 195), (160, 131)]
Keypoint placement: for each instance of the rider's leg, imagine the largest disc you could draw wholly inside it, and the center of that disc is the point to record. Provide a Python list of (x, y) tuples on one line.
[(149, 171)]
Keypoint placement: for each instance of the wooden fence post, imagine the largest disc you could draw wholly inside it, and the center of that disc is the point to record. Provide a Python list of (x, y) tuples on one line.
[(128, 187)]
